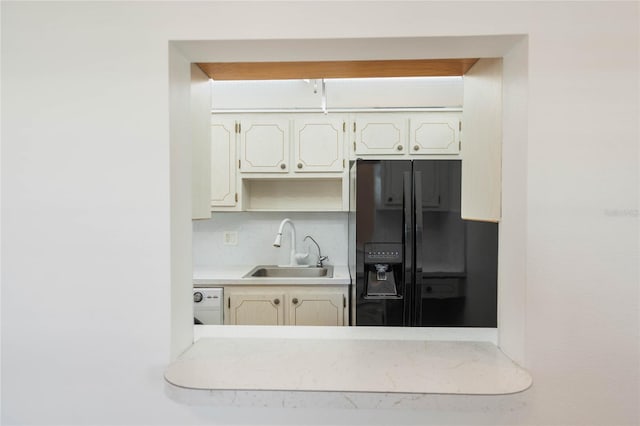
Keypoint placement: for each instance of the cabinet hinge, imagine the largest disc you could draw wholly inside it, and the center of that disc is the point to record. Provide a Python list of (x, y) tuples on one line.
[(354, 127), (239, 164), (459, 145), (344, 126), (236, 197), (344, 301), (460, 125), (229, 303), (239, 127), (354, 147), (343, 163), (236, 128)]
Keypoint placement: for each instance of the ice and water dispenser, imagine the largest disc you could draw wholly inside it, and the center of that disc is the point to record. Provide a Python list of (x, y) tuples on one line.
[(383, 270)]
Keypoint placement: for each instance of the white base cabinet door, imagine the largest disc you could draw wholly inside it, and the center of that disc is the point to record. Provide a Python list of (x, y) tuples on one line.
[(317, 308), (255, 308), (286, 305)]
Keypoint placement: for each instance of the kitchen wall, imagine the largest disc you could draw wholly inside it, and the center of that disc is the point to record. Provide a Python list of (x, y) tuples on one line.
[(340, 93), (87, 184), (256, 232)]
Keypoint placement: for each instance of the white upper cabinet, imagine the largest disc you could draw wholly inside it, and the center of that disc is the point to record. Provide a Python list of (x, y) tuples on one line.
[(319, 144), (200, 100), (223, 163), (434, 133), (264, 145), (482, 145), (380, 134)]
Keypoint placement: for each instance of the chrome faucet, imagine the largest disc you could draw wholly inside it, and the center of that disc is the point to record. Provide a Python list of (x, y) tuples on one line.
[(321, 258), (294, 258)]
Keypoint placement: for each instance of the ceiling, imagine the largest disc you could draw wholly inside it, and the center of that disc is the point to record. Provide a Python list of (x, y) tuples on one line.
[(336, 69)]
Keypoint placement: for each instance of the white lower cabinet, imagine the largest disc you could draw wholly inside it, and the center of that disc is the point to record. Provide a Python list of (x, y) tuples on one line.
[(254, 308), (317, 307), (286, 305)]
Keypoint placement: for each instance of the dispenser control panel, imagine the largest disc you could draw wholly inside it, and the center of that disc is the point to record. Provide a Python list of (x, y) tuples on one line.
[(383, 252)]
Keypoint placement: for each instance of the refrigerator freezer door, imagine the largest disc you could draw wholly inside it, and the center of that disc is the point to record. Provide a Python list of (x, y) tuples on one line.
[(380, 233)]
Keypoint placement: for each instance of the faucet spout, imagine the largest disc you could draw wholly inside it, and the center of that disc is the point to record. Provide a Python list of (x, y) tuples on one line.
[(278, 240), (321, 258)]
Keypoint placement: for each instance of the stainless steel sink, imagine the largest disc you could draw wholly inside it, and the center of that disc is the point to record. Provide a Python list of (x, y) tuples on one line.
[(273, 271)]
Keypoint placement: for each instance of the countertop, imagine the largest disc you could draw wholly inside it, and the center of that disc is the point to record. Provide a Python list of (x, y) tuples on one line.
[(209, 276), (322, 363)]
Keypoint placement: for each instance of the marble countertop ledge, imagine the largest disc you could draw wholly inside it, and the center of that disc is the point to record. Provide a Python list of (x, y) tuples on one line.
[(346, 365)]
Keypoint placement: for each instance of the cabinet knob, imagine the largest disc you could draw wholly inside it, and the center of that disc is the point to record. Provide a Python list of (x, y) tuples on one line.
[(416, 148), (294, 301), (399, 148), (283, 166), (276, 301), (299, 165)]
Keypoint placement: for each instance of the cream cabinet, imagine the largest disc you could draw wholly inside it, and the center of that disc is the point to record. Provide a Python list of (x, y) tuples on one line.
[(434, 133), (264, 144), (312, 307), (403, 135), (299, 162), (285, 162), (379, 134), (286, 305), (254, 307), (319, 144), (482, 144), (223, 163)]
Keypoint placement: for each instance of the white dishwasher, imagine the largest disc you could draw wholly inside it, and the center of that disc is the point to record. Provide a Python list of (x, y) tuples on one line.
[(207, 305)]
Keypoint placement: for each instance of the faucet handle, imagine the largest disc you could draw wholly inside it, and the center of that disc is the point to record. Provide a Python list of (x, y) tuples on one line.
[(300, 257)]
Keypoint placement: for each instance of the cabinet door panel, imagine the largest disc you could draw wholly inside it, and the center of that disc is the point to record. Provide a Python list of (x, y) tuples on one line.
[(256, 309), (482, 150), (326, 308), (223, 163), (380, 134), (265, 145), (434, 133), (319, 145)]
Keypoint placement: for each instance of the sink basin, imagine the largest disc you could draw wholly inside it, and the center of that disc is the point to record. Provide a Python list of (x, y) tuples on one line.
[(273, 271)]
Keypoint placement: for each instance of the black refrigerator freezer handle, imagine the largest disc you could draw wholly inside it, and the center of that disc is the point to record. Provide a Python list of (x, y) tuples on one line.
[(407, 210), (417, 278)]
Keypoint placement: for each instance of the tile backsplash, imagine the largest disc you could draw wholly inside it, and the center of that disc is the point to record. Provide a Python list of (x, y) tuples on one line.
[(256, 232)]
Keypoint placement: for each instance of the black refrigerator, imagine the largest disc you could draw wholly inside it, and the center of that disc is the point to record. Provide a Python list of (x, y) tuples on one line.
[(415, 261)]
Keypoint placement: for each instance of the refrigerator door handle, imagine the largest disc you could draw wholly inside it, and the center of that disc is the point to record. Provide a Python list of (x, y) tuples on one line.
[(417, 188), (407, 210), (417, 279)]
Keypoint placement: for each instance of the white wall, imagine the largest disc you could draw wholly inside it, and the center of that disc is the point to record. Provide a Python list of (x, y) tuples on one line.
[(256, 233), (86, 231), (339, 93)]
